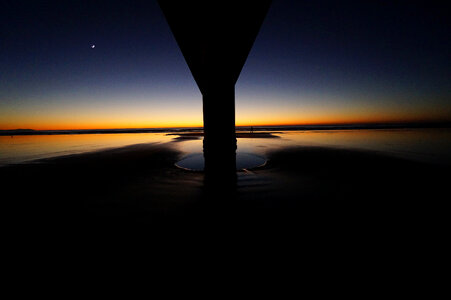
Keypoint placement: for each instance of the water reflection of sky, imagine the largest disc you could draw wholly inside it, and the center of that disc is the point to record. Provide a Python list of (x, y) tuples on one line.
[(25, 148), (433, 145)]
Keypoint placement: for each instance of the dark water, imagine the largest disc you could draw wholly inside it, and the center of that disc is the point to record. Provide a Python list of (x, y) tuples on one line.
[(429, 145), (367, 182)]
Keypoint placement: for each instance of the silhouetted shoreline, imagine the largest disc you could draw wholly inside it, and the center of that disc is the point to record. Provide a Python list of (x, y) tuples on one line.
[(238, 128), (239, 134), (138, 188)]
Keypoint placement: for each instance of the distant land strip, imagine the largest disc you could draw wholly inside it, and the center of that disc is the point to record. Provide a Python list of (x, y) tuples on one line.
[(238, 128)]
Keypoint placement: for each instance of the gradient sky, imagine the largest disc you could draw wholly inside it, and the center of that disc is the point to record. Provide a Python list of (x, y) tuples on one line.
[(313, 62)]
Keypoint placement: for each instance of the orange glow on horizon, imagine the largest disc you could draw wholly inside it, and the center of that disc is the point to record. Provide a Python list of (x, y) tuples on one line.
[(177, 114), (179, 117), (87, 126), (239, 123)]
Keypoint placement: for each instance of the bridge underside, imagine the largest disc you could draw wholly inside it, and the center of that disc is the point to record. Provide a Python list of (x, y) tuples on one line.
[(215, 38)]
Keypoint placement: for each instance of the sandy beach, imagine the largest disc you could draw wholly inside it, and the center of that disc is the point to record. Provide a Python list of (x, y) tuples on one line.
[(137, 189), (289, 139)]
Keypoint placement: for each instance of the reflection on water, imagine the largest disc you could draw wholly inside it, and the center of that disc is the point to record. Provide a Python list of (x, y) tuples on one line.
[(433, 145), (430, 145), (196, 162), (19, 149)]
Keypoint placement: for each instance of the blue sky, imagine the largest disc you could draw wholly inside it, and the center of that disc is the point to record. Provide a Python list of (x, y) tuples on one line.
[(311, 63)]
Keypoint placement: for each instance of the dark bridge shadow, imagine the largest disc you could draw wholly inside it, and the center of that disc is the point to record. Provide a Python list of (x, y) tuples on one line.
[(215, 38)]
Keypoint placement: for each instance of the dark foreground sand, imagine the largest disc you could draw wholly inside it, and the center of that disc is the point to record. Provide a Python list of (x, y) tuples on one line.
[(302, 191), (334, 220)]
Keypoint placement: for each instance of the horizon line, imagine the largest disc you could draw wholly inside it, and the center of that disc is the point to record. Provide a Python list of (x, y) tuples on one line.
[(345, 124)]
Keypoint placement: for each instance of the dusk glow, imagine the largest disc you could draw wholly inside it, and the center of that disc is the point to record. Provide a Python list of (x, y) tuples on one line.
[(284, 132), (316, 63)]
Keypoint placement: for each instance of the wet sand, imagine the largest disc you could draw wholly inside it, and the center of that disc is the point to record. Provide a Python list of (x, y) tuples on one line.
[(138, 190), (239, 134)]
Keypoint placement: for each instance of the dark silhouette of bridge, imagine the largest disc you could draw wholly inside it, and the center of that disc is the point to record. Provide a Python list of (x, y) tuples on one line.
[(215, 38)]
